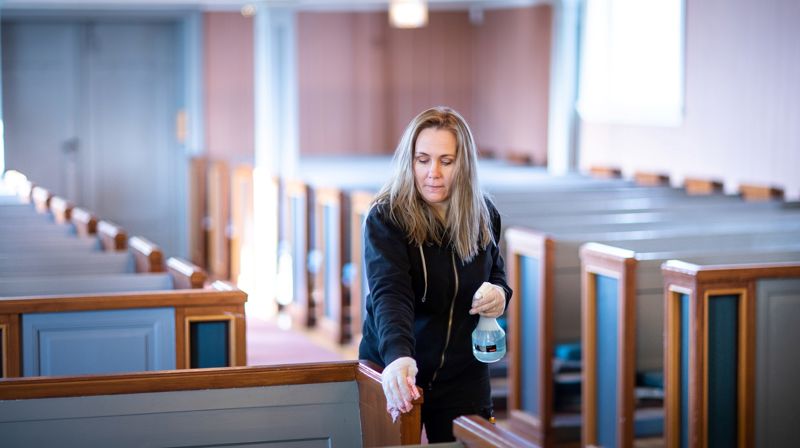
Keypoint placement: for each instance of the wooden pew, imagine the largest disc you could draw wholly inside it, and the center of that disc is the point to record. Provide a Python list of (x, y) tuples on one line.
[(331, 240), (549, 297), (218, 220), (298, 232), (359, 208), (731, 336), (622, 304), (183, 324), (324, 404)]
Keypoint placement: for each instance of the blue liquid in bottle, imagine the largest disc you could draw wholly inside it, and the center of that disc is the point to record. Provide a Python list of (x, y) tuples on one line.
[(488, 340)]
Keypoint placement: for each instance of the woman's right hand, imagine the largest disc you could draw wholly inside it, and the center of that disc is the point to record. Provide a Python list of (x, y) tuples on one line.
[(399, 379)]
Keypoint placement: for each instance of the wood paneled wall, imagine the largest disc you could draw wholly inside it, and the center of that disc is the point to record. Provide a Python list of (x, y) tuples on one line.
[(228, 84), (362, 81), (741, 108)]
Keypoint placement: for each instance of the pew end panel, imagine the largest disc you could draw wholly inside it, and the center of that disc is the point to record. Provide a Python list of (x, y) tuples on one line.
[(61, 209), (298, 235), (112, 236), (609, 344), (330, 228), (231, 406), (377, 426), (185, 275), (147, 256), (474, 431), (41, 199), (716, 336), (529, 264), (198, 169), (9, 346), (85, 222), (242, 223), (360, 202), (218, 202)]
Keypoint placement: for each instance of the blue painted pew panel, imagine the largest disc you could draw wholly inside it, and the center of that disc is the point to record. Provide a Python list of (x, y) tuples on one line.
[(306, 415), (74, 343)]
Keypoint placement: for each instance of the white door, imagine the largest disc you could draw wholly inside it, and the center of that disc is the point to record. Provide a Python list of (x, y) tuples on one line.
[(95, 122)]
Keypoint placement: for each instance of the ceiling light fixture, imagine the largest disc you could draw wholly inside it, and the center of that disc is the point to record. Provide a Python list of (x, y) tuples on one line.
[(408, 13)]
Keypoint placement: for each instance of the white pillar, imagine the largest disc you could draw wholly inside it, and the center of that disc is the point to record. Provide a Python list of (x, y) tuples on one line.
[(562, 131), (276, 137)]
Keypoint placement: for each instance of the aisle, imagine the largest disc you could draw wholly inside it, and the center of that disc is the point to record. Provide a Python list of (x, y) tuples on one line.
[(267, 344)]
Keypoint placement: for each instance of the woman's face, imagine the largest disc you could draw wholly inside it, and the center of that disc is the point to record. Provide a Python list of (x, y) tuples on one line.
[(435, 166)]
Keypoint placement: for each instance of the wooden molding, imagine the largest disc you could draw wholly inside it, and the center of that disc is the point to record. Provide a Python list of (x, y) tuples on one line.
[(377, 426)]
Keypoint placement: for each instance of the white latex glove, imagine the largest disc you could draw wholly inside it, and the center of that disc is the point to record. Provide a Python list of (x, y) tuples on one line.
[(489, 300), (398, 379)]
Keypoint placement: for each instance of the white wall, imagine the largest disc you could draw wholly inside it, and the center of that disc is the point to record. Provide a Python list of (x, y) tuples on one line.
[(742, 117)]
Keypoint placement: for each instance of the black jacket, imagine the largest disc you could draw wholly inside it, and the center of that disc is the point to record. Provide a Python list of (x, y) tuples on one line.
[(400, 323)]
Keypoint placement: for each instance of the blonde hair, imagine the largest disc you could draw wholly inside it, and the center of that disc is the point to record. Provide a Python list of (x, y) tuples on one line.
[(467, 224)]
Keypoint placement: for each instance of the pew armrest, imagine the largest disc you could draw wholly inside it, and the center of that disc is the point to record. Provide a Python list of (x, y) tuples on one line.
[(112, 236), (85, 223), (186, 275), (41, 199), (62, 209), (146, 254), (376, 424)]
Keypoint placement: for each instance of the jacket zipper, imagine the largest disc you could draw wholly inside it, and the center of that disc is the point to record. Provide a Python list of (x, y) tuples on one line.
[(449, 322)]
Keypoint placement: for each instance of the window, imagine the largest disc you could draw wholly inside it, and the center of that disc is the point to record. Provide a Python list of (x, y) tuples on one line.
[(632, 62)]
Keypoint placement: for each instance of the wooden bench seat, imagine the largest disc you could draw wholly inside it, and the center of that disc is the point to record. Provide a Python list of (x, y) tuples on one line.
[(324, 404)]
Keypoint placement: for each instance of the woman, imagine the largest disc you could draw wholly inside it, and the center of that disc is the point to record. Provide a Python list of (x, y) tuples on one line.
[(431, 241)]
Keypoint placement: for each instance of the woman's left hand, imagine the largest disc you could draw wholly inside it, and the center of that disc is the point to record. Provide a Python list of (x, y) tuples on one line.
[(489, 300)]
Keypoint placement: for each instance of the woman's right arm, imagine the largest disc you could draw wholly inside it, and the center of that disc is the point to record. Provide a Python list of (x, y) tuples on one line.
[(389, 278)]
